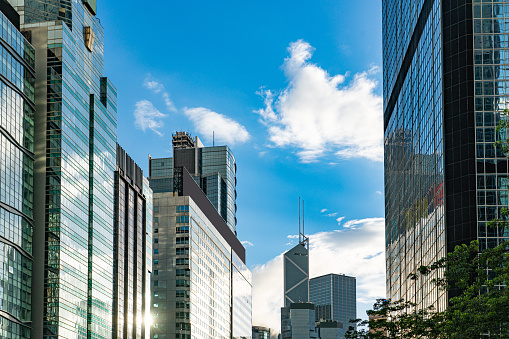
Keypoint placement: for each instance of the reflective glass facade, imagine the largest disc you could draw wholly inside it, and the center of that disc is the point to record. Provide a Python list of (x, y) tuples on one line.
[(414, 133), (491, 74), (16, 180), (335, 299), (445, 87), (132, 256), (75, 132), (242, 308), (200, 289), (213, 169), (296, 274)]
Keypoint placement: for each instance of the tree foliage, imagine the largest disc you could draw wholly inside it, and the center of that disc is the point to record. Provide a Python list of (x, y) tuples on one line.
[(480, 307)]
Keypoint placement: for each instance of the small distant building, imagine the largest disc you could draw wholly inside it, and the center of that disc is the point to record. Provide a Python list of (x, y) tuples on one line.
[(298, 321), (260, 332), (329, 329)]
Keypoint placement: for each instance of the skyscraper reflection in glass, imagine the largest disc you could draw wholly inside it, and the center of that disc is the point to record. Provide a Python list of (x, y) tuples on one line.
[(16, 177), (444, 89)]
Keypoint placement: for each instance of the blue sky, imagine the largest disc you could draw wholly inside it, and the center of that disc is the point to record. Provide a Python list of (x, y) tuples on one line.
[(294, 88)]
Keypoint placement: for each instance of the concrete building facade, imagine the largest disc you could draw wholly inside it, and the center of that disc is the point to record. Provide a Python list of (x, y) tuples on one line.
[(201, 287)]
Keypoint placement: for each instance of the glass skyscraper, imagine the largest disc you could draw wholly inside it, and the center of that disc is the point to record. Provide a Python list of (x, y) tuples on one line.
[(334, 296), (445, 85), (132, 250), (213, 168), (296, 274), (75, 138), (16, 176)]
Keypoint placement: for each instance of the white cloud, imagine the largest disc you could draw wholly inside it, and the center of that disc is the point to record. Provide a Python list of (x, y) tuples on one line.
[(318, 113), (146, 116), (293, 236), (356, 251), (339, 220), (330, 215), (225, 129), (323, 210), (379, 192), (158, 88), (246, 243)]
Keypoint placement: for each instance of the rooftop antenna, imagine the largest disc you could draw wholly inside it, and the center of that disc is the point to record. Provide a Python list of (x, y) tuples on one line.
[(213, 139), (299, 222), (303, 233)]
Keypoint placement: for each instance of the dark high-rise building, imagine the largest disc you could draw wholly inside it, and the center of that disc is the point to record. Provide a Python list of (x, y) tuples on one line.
[(445, 87), (298, 314), (75, 138), (296, 274), (16, 176), (132, 250), (334, 296), (213, 169)]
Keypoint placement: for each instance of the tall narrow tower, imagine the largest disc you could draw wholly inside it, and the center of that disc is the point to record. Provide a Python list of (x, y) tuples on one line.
[(296, 273)]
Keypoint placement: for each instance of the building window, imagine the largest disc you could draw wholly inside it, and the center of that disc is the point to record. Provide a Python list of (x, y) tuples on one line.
[(156, 251), (182, 251), (182, 208), (156, 283), (156, 219), (156, 230), (183, 229), (156, 272), (182, 240), (181, 219), (156, 241), (156, 261)]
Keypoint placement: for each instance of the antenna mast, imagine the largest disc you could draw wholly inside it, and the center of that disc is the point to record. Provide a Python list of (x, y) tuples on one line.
[(299, 222), (303, 219)]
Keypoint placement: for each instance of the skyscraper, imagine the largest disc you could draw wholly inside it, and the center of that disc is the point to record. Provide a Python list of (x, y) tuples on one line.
[(213, 168), (334, 296), (201, 287), (444, 90), (16, 176), (75, 138), (132, 250), (296, 274), (298, 314)]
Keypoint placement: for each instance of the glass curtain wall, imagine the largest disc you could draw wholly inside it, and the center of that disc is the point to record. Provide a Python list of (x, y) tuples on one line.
[(414, 163), (16, 181), (491, 70)]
